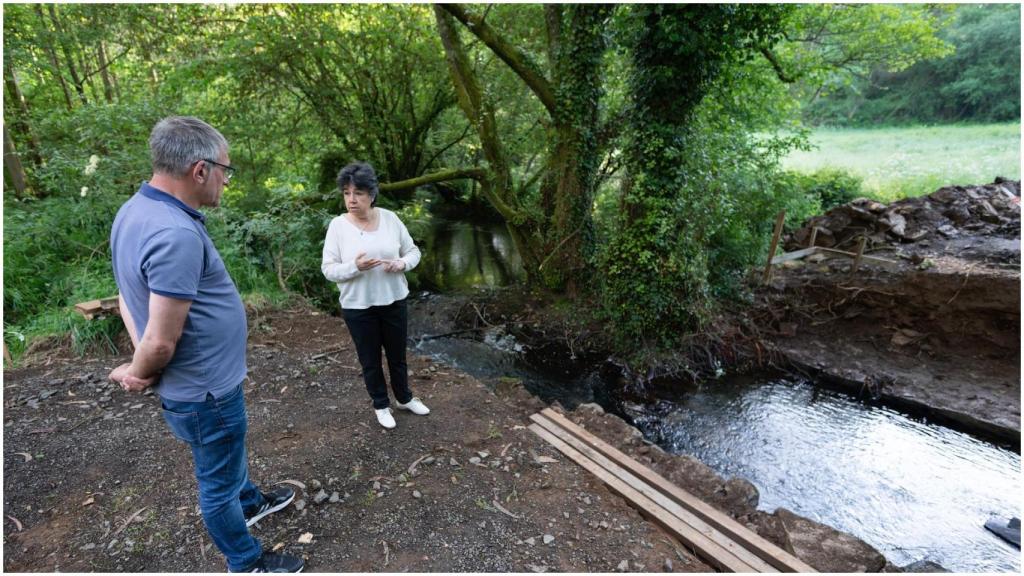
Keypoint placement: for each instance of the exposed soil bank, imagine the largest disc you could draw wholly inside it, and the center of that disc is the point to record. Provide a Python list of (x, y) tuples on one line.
[(936, 333), (97, 483)]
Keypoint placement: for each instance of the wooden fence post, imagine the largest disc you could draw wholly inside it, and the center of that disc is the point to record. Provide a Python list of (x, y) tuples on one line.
[(779, 219)]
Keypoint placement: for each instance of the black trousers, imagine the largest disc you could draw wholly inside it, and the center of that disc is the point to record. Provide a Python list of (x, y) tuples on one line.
[(371, 329)]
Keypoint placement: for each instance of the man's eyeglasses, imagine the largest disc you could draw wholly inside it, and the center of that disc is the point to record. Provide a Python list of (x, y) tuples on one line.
[(229, 171)]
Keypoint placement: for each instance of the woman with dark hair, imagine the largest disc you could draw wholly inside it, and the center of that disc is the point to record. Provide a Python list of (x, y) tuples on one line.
[(366, 252)]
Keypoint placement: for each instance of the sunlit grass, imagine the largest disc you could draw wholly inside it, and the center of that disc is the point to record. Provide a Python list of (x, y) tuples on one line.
[(899, 162)]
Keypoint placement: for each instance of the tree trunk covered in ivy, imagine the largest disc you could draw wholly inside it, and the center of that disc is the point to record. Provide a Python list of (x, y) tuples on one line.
[(656, 283), (568, 188)]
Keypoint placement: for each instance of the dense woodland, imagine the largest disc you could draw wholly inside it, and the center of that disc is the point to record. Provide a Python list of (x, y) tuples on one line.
[(631, 150), (978, 82)]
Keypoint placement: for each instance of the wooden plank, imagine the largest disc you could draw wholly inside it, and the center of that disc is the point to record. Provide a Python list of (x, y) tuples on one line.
[(794, 255), (90, 307), (708, 550), (667, 505), (94, 308), (805, 252), (764, 549), (111, 303), (864, 257)]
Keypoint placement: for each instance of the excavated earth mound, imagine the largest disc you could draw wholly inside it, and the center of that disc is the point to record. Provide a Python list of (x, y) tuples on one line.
[(934, 328)]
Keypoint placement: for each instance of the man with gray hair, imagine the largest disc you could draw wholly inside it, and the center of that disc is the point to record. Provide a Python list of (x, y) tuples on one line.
[(187, 324)]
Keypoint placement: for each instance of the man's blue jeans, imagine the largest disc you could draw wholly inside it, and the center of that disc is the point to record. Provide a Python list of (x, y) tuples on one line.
[(215, 429)]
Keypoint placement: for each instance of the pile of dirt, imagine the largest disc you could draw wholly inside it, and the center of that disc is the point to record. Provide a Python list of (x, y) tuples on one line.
[(93, 481), (992, 210), (935, 329)]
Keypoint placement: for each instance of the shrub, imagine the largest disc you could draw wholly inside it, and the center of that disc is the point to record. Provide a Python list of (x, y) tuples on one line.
[(832, 187), (56, 254), (278, 246)]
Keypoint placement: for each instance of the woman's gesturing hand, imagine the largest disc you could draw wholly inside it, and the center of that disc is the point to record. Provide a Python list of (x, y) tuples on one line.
[(394, 265), (364, 263)]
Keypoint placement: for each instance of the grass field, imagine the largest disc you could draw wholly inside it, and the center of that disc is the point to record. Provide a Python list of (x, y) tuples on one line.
[(899, 162)]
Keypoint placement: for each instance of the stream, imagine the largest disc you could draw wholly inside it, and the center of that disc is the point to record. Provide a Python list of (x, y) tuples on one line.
[(913, 490)]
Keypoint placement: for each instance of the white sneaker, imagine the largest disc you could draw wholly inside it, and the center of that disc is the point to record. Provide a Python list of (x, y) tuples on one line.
[(385, 418), (415, 406)]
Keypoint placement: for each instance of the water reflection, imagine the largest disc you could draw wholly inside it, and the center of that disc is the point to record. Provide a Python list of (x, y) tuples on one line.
[(459, 255), (912, 490)]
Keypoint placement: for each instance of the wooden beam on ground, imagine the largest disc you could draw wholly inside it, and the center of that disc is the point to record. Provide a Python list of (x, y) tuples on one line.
[(795, 255), (710, 551), (864, 257), (659, 498), (94, 308), (805, 252), (763, 549)]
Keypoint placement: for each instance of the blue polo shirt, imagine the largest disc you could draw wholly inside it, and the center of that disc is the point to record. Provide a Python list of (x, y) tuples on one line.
[(160, 245)]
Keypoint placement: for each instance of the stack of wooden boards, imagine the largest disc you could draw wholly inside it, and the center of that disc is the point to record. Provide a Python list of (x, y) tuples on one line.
[(718, 539), (96, 308)]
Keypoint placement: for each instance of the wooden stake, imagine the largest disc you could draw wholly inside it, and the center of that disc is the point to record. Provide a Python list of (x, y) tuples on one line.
[(779, 219), (814, 236), (859, 254)]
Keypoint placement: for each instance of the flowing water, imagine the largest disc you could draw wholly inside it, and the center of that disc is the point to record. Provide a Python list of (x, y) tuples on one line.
[(913, 490)]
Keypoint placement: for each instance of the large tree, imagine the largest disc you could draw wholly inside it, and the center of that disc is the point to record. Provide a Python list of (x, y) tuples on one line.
[(656, 282), (548, 206)]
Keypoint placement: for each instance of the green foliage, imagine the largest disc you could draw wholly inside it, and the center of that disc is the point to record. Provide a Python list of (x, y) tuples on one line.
[(284, 236), (827, 46), (81, 153), (657, 269), (369, 74), (56, 255), (830, 187), (651, 133), (54, 249), (979, 82)]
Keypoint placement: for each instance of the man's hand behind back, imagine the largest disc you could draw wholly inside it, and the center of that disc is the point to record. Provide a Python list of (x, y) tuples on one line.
[(128, 382)]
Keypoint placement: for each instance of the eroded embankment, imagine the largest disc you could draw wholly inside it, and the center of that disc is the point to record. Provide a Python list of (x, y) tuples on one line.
[(936, 331)]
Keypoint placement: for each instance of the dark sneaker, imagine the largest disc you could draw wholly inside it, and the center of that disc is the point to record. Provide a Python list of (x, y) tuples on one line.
[(271, 562), (272, 502)]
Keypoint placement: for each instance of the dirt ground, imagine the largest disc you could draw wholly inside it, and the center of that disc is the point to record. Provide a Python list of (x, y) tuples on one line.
[(93, 481), (938, 331)]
